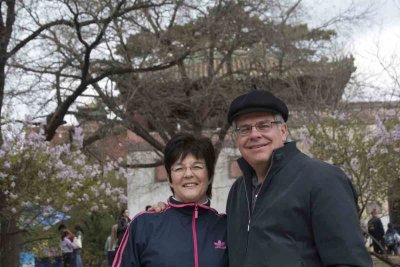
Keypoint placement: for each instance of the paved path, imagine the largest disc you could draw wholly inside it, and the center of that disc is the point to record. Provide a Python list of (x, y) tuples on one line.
[(379, 263)]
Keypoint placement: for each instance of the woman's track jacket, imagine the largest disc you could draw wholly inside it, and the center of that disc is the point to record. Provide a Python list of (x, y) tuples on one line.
[(182, 235)]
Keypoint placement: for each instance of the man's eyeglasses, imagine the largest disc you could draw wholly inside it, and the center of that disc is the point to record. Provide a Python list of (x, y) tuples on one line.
[(262, 127), (179, 170)]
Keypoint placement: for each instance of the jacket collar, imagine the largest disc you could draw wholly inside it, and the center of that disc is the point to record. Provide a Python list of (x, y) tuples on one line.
[(280, 157), (188, 208)]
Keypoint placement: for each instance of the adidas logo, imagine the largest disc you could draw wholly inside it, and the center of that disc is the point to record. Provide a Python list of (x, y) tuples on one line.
[(220, 245)]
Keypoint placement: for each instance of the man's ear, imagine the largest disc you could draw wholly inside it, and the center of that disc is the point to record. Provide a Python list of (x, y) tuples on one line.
[(285, 132)]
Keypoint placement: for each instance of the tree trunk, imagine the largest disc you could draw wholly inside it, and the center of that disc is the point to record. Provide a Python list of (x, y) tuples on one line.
[(9, 243), (394, 203), (2, 85), (9, 239)]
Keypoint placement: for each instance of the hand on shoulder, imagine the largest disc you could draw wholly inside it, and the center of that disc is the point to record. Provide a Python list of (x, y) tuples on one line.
[(160, 206)]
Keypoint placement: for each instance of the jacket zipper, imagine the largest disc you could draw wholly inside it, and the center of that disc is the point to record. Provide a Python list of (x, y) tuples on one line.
[(256, 195), (194, 217), (248, 205)]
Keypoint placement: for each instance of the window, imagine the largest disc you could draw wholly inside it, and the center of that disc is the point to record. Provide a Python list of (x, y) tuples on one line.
[(161, 174)]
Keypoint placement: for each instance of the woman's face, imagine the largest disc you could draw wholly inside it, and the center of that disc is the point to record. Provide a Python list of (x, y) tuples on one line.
[(189, 180), (126, 213)]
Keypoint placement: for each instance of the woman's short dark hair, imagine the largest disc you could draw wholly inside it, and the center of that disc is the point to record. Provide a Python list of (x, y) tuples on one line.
[(183, 144), (65, 233), (62, 227), (122, 211)]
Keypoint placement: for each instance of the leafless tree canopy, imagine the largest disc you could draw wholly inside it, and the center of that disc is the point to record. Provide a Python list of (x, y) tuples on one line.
[(173, 64), (230, 48)]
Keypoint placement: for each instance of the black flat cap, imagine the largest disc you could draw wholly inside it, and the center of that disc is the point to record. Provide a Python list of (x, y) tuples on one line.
[(257, 101)]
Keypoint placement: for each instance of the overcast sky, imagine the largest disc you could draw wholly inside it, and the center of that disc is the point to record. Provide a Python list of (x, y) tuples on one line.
[(376, 36)]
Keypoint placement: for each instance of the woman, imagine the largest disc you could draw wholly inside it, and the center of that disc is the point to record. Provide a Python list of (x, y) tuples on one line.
[(188, 232), (111, 245), (78, 244), (67, 247), (123, 222)]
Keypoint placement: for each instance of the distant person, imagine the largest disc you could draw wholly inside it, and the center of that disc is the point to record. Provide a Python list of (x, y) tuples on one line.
[(392, 240), (77, 257), (111, 245), (188, 232), (123, 222), (376, 231), (67, 247)]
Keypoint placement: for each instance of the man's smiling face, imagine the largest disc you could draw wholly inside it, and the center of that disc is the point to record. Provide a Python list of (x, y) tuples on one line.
[(256, 147)]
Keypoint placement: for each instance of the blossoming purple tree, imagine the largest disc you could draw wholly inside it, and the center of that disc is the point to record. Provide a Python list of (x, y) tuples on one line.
[(38, 179), (388, 132), (367, 148)]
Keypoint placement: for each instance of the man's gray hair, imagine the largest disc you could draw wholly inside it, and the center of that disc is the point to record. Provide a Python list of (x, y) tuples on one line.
[(278, 117)]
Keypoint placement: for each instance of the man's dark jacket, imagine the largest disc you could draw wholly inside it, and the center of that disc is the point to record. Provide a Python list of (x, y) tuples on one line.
[(375, 228), (305, 215)]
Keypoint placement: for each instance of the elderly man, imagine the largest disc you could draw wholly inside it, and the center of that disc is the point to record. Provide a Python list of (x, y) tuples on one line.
[(376, 230), (287, 209)]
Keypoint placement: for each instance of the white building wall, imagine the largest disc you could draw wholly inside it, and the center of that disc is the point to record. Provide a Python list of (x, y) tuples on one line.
[(142, 189), (222, 180)]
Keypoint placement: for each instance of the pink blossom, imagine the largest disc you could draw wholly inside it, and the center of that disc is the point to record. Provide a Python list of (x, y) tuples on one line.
[(68, 174), (26, 204), (66, 208), (123, 198), (86, 197), (395, 134), (108, 192), (94, 208)]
